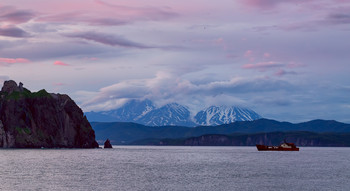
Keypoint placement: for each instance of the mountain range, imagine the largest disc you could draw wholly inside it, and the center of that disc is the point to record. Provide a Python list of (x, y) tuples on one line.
[(300, 138), (126, 132), (146, 113)]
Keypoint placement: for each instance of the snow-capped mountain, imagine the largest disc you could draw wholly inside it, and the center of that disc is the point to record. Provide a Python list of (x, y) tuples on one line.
[(132, 111), (146, 113), (223, 115), (170, 114)]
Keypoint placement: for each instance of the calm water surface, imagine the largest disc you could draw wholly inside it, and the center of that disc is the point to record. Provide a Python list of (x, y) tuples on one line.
[(174, 168)]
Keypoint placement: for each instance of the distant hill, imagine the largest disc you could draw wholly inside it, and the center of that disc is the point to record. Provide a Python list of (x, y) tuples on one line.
[(146, 113), (268, 125), (300, 138), (125, 133)]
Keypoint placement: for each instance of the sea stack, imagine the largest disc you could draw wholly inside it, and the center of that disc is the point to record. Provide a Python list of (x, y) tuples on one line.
[(107, 144), (41, 119)]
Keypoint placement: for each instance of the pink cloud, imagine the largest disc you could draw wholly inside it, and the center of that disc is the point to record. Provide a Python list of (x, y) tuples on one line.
[(60, 63), (8, 61), (13, 60)]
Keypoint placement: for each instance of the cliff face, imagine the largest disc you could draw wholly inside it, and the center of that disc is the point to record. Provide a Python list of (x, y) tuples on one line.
[(40, 119)]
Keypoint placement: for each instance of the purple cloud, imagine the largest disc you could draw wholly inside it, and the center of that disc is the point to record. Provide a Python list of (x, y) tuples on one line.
[(66, 17), (282, 72), (81, 17), (111, 15), (264, 4), (13, 31), (275, 101), (267, 5), (112, 40), (108, 21), (263, 65), (14, 16), (308, 25), (214, 56), (38, 51), (166, 86), (338, 18), (142, 13)]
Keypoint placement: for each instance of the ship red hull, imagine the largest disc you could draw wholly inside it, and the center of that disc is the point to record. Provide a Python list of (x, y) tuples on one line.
[(274, 148)]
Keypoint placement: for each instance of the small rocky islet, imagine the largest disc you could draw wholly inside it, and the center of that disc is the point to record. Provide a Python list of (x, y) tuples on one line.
[(107, 144), (41, 119)]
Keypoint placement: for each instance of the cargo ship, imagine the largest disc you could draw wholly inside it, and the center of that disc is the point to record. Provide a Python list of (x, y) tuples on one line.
[(283, 147)]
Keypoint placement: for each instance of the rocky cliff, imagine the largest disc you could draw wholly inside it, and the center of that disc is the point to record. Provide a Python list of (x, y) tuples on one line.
[(40, 119)]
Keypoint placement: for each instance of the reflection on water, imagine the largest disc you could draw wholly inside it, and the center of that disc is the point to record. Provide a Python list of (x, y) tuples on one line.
[(174, 168)]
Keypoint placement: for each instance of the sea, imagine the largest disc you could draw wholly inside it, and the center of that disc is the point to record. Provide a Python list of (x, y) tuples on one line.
[(175, 168)]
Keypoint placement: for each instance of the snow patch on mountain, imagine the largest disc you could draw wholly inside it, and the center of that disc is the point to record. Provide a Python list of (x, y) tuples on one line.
[(215, 115), (170, 114)]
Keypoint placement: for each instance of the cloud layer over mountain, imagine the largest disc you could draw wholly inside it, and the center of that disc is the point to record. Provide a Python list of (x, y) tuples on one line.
[(287, 60)]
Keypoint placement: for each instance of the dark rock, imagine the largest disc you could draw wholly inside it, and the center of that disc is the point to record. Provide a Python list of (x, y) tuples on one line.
[(10, 86), (20, 87), (40, 119), (107, 144)]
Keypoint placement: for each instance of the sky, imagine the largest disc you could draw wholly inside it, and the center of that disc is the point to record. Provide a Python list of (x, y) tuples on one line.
[(286, 60)]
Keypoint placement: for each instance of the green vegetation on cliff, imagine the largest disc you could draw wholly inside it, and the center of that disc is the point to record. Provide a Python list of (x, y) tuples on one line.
[(40, 119), (15, 95)]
